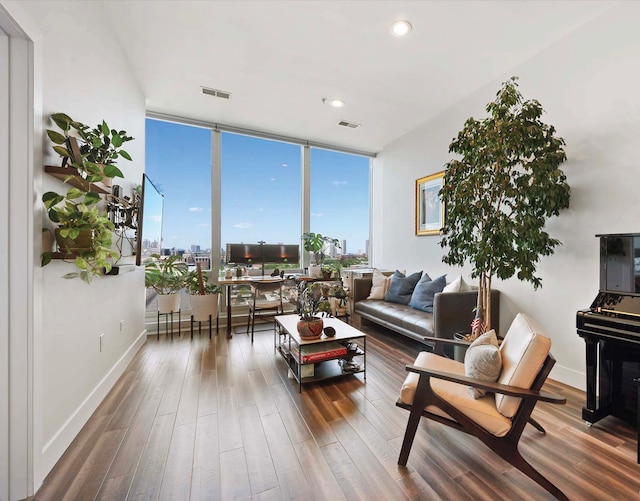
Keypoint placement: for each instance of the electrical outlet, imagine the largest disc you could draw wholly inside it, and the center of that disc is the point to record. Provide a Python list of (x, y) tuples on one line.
[(101, 341), (121, 325)]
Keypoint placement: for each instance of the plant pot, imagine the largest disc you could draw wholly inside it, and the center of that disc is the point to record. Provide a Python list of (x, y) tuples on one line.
[(459, 351), (68, 245), (204, 305), (310, 329), (168, 303), (315, 271)]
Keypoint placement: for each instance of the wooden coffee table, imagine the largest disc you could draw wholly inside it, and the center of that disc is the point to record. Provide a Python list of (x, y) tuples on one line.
[(293, 350)]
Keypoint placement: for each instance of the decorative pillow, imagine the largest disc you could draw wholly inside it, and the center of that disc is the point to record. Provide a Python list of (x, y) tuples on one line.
[(401, 287), (458, 285), (422, 297), (483, 361), (379, 285)]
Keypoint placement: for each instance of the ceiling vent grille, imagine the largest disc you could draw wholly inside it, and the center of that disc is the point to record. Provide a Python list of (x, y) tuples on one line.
[(350, 125), (216, 93)]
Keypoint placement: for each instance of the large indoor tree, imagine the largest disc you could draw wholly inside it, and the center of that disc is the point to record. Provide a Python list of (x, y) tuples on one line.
[(499, 194)]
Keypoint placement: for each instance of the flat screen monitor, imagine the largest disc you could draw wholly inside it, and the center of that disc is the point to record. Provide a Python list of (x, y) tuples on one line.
[(254, 253), (149, 237)]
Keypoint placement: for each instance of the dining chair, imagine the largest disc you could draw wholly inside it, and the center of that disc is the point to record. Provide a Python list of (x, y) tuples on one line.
[(265, 301)]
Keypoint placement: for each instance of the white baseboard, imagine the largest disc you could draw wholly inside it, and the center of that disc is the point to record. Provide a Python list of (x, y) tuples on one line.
[(571, 377), (53, 450)]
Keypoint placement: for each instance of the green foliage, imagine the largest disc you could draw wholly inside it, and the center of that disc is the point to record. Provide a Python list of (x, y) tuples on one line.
[(193, 285), (165, 276), (100, 147), (502, 190), (318, 244), (80, 210)]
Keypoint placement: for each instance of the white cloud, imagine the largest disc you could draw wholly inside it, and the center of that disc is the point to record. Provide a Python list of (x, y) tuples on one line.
[(317, 214), (195, 209), (242, 225), (284, 165), (272, 179), (339, 183)]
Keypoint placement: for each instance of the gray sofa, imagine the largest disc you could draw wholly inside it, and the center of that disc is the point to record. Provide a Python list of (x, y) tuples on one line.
[(452, 312)]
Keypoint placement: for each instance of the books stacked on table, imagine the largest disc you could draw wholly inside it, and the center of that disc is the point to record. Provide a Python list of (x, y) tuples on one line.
[(318, 352)]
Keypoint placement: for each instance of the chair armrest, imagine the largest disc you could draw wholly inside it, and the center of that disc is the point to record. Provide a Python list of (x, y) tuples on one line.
[(453, 342), (503, 389)]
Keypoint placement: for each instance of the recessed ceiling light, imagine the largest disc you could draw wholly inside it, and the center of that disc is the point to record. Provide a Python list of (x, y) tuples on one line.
[(337, 103), (400, 28)]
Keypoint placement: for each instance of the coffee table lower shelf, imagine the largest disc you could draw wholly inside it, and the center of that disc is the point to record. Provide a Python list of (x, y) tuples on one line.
[(286, 338)]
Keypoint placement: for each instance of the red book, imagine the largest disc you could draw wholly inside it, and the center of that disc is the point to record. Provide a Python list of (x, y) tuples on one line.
[(320, 351)]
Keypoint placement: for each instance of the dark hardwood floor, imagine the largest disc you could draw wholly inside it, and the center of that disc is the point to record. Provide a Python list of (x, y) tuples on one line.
[(220, 419)]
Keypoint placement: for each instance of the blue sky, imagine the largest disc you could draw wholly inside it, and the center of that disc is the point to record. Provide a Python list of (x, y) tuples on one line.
[(261, 183)]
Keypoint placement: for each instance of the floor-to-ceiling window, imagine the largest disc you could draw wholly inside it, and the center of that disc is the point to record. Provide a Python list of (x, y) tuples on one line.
[(263, 193), (339, 192)]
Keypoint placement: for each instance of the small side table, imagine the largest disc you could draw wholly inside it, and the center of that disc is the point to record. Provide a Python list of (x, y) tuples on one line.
[(166, 323)]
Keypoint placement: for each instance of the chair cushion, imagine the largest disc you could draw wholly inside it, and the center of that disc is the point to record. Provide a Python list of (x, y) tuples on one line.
[(482, 411), (524, 350), (401, 287), (482, 360), (379, 285), (426, 289)]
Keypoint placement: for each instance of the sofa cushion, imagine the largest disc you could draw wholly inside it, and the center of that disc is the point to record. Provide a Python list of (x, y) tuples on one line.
[(483, 361), (483, 410), (523, 351), (397, 315), (379, 285), (401, 287), (458, 285), (425, 290)]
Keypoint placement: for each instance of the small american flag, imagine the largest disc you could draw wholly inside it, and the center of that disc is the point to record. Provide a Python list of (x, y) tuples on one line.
[(477, 325)]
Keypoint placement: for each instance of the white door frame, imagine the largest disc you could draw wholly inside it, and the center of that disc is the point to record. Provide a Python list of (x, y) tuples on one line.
[(20, 279)]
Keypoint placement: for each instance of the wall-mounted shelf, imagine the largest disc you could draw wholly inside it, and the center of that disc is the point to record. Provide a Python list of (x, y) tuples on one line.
[(63, 255), (77, 180)]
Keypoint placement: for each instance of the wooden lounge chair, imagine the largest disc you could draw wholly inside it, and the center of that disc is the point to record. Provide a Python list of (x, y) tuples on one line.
[(437, 388)]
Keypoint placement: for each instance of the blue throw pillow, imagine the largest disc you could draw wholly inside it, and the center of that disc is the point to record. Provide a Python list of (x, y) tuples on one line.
[(425, 290), (401, 287)]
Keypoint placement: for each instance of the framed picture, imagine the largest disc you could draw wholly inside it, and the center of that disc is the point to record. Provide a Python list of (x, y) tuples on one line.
[(429, 205)]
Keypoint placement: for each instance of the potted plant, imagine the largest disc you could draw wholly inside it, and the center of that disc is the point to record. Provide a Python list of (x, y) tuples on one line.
[(318, 244), (500, 193), (167, 277), (203, 295), (84, 230), (98, 148), (310, 302)]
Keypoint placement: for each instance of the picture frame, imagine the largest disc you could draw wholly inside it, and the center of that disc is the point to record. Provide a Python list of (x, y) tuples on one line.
[(429, 205)]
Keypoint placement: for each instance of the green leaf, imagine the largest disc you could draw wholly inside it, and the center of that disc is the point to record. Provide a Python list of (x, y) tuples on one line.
[(74, 193), (116, 139), (92, 198), (112, 171), (105, 128), (46, 258), (51, 198), (124, 154), (62, 151), (56, 137), (61, 120)]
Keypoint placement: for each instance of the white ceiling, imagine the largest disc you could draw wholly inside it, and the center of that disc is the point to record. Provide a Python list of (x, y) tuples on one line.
[(280, 58)]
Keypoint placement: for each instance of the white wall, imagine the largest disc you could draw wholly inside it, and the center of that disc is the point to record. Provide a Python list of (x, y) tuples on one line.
[(588, 84), (84, 74)]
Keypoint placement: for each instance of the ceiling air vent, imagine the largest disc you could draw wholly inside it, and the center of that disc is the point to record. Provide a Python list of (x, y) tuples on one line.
[(350, 125), (216, 93)]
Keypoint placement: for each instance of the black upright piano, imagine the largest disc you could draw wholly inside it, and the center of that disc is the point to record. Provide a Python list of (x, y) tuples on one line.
[(611, 331)]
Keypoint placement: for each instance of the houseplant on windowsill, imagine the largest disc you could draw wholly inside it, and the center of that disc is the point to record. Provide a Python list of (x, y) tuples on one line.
[(500, 193), (318, 244), (203, 295), (167, 277)]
